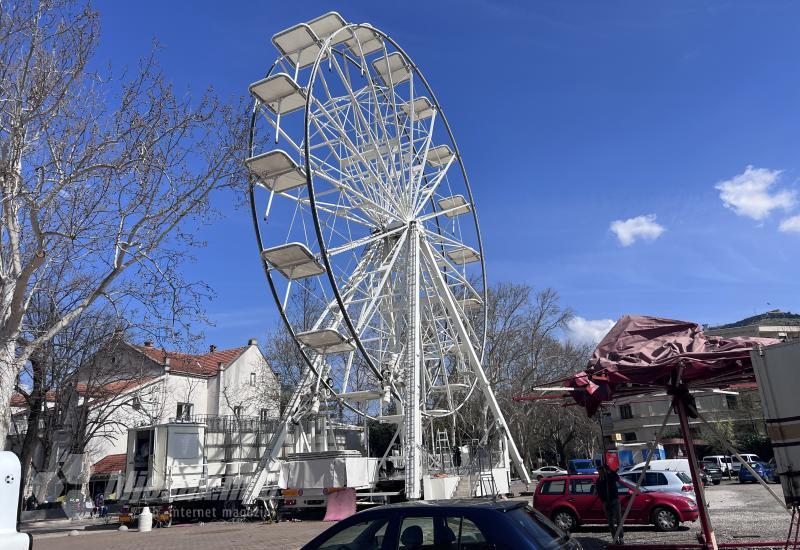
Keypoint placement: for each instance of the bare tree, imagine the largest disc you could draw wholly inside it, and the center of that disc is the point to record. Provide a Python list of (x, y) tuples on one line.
[(96, 174)]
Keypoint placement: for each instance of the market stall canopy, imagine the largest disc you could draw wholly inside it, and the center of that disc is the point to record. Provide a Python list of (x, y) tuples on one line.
[(642, 354)]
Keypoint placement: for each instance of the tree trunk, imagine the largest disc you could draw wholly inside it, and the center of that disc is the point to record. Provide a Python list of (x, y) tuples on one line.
[(8, 379), (36, 402)]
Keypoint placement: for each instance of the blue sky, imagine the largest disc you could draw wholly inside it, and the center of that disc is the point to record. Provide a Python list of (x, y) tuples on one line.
[(569, 116)]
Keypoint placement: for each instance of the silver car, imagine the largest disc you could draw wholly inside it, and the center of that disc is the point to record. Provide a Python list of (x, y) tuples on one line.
[(547, 471), (667, 481)]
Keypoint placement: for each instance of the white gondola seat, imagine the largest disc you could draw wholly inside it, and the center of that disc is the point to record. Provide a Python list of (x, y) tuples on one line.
[(325, 25), (361, 396), (454, 206), (277, 171), (439, 156), (293, 260), (280, 93), (422, 108), (463, 255), (326, 340), (469, 304), (299, 44), (364, 41), (392, 69)]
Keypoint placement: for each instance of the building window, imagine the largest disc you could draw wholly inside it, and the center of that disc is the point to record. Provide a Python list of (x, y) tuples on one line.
[(237, 410), (625, 412), (264, 415), (184, 411), (732, 402), (630, 437), (252, 379)]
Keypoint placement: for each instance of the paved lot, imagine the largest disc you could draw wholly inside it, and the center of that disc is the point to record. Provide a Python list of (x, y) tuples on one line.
[(738, 512)]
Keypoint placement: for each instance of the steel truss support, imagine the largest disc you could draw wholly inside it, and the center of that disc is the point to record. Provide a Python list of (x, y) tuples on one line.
[(472, 357), (413, 411)]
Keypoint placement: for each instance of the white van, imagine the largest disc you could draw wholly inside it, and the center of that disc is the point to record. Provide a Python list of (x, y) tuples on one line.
[(736, 465), (720, 461)]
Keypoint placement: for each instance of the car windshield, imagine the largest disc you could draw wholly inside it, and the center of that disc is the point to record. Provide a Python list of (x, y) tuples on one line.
[(537, 526), (583, 464)]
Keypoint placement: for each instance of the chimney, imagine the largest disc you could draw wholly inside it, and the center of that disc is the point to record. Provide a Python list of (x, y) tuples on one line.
[(212, 348), (252, 342), (166, 365), (148, 343)]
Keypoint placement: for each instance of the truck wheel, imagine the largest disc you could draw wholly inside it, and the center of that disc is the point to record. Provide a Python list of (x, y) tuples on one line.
[(665, 519), (565, 520)]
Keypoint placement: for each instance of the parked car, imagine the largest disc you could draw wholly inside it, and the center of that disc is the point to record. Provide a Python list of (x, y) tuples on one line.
[(713, 472), (720, 461), (547, 471), (763, 471), (444, 524), (672, 464), (665, 481), (736, 465), (571, 501), (581, 466)]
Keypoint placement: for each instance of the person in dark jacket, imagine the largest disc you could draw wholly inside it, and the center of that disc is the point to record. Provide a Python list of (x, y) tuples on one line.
[(609, 495)]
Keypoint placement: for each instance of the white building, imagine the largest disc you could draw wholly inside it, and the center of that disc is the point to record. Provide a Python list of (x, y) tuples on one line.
[(135, 385)]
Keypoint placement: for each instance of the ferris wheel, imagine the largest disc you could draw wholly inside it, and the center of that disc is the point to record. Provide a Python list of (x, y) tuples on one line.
[(368, 233)]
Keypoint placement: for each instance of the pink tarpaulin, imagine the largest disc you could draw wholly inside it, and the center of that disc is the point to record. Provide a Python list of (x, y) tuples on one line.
[(341, 504), (642, 353)]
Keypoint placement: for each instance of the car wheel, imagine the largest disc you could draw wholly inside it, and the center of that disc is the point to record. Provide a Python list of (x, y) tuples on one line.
[(665, 519), (565, 520), (717, 481)]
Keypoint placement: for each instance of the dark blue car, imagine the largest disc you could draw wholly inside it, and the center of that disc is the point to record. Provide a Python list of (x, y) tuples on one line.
[(468, 524), (763, 471), (581, 466)]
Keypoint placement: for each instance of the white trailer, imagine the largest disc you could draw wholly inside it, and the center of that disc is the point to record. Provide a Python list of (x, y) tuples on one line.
[(776, 369)]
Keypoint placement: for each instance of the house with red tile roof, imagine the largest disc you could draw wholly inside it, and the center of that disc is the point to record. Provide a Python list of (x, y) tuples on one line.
[(135, 385)]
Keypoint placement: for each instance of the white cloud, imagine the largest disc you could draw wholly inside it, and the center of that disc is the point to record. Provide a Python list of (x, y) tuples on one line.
[(641, 227), (585, 331), (791, 225), (748, 194)]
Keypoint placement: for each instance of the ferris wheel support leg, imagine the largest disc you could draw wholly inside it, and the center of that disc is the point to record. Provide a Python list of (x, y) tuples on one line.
[(474, 360), (413, 414)]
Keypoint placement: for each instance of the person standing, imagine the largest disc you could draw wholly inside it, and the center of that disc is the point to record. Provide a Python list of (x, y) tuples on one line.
[(457, 458), (609, 495)]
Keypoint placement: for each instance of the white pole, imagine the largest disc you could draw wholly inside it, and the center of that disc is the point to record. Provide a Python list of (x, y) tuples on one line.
[(413, 414)]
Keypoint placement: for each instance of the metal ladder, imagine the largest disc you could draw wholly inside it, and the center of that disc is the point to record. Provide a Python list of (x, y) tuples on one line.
[(442, 449)]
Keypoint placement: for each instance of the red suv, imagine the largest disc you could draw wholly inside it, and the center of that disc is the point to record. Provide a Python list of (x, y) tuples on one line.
[(572, 500)]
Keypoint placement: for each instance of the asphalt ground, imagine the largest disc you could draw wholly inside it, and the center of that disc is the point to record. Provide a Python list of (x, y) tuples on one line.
[(738, 513)]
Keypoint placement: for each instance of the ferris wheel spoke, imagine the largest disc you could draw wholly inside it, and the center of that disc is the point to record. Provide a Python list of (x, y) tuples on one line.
[(365, 240), (372, 139), (421, 200), (346, 141)]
